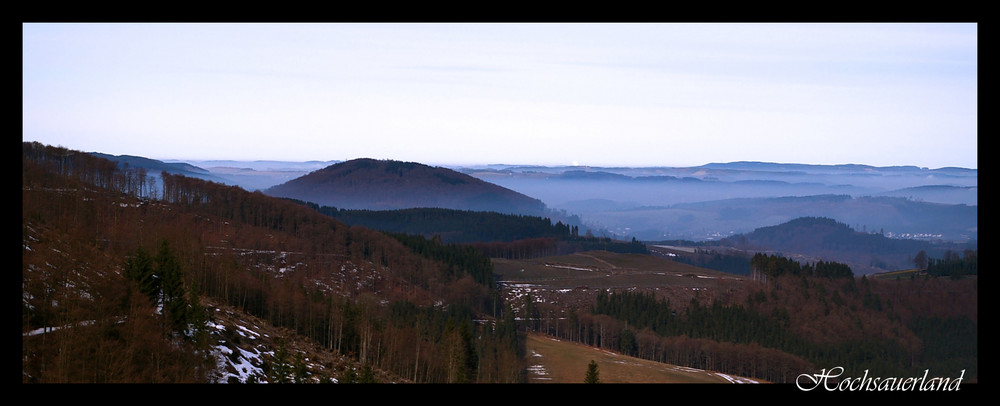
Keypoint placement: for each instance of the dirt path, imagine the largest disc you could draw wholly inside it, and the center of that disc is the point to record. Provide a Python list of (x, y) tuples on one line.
[(606, 263)]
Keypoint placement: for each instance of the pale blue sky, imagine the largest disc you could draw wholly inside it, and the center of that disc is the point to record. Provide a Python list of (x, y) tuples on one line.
[(552, 94)]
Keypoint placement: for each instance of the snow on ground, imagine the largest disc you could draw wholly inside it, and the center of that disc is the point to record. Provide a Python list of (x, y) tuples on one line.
[(538, 371), (569, 267), (735, 379), (244, 365)]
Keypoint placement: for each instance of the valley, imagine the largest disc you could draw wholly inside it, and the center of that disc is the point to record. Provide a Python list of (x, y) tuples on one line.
[(703, 203), (455, 206)]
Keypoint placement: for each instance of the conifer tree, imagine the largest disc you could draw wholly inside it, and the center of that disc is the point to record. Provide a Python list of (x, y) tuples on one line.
[(299, 368), (348, 376), (281, 369), (367, 375), (174, 299), (139, 268), (593, 373)]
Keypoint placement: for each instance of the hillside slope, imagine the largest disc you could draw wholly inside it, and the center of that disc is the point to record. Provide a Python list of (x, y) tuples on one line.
[(112, 280), (386, 185)]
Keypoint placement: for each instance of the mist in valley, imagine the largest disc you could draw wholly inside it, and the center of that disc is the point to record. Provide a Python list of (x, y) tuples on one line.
[(718, 200), (707, 202)]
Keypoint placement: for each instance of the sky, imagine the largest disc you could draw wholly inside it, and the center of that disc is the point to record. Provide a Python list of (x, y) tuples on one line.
[(603, 94)]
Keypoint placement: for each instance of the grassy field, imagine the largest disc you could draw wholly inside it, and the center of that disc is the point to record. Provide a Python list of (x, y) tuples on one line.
[(556, 361)]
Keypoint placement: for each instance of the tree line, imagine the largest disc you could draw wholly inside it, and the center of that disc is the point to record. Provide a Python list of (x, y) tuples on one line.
[(738, 264), (496, 235), (954, 266), (450, 225), (763, 266)]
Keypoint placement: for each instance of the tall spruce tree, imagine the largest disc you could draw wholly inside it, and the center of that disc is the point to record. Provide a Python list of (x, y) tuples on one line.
[(175, 300), (140, 269)]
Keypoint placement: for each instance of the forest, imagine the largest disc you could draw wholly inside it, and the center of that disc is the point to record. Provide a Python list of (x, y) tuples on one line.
[(734, 263), (951, 264), (493, 234), (793, 320), (105, 248), (451, 225), (115, 268)]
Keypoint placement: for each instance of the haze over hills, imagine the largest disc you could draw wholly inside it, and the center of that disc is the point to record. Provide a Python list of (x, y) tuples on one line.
[(721, 199), (389, 185), (258, 175), (153, 167), (718, 201), (706, 202), (662, 186), (122, 284)]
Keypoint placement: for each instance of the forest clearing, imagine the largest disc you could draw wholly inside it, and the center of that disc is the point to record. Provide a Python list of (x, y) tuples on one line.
[(551, 360)]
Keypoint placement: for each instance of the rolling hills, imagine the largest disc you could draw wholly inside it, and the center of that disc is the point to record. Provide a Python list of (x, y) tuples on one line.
[(717, 200), (416, 310)]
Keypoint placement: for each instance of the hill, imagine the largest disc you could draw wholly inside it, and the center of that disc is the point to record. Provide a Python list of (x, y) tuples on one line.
[(387, 185), (121, 287), (819, 238)]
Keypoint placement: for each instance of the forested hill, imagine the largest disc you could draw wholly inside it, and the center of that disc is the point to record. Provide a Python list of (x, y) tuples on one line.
[(389, 185), (115, 269), (825, 238)]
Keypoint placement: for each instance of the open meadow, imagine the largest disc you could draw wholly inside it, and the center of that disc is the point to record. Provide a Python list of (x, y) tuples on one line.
[(552, 360)]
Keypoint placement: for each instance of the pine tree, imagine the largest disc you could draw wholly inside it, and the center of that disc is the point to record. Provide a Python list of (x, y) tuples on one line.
[(300, 371), (367, 375), (175, 301), (139, 268), (348, 376), (592, 373), (281, 369)]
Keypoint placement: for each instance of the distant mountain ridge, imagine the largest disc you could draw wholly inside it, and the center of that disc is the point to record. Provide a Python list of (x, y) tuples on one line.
[(372, 184), (153, 165), (766, 166)]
